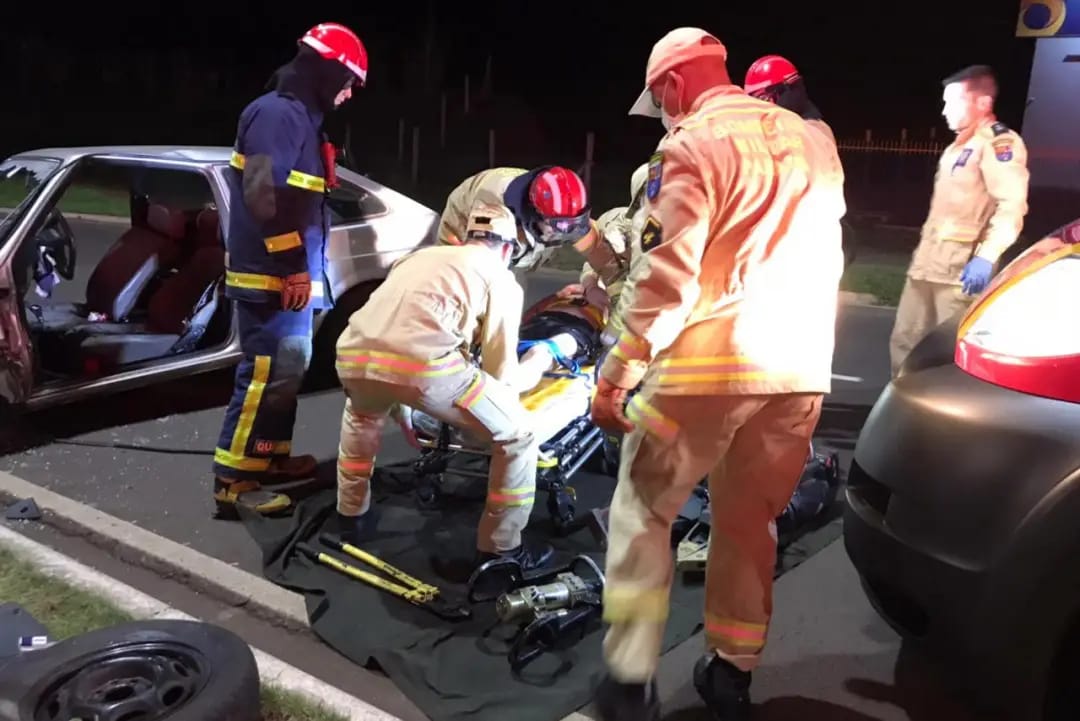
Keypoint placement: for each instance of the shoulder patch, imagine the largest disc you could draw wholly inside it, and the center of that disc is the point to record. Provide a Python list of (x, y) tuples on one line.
[(999, 128), (1003, 149), (656, 172), (651, 234)]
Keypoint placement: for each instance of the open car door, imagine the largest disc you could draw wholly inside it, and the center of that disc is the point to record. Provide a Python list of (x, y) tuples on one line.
[(27, 185)]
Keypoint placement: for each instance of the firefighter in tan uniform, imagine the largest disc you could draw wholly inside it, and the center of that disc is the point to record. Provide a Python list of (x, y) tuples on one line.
[(409, 347), (976, 212), (527, 194), (729, 328), (616, 227)]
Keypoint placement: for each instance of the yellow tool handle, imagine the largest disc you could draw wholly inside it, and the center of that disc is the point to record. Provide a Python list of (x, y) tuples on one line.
[(371, 578), (362, 555)]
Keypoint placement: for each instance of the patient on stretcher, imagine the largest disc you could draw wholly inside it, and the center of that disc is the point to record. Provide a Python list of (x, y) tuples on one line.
[(560, 342)]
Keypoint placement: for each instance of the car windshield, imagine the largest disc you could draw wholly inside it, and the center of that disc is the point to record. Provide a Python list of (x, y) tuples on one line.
[(20, 179)]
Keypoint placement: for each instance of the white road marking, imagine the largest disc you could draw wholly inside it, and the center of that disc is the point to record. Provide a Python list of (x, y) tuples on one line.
[(849, 379)]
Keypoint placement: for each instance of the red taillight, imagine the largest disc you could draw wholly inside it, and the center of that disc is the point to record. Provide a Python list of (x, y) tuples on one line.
[(1023, 332), (1055, 377)]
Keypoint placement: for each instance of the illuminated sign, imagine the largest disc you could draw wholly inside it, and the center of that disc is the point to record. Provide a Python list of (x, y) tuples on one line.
[(1048, 19)]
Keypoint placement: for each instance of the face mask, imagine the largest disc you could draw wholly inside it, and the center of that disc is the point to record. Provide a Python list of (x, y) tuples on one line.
[(665, 119)]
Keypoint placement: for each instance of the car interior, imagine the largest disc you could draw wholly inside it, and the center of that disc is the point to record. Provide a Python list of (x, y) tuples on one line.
[(155, 292)]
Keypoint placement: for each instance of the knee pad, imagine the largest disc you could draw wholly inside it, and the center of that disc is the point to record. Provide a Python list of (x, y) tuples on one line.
[(293, 356)]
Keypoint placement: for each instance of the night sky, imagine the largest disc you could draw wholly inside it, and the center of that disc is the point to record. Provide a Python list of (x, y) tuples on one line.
[(869, 65)]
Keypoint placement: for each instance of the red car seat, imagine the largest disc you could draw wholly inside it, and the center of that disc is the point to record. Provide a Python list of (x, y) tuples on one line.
[(118, 281), (174, 301)]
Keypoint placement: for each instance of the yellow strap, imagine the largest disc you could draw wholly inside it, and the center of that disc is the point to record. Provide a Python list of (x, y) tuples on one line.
[(295, 179), (260, 281)]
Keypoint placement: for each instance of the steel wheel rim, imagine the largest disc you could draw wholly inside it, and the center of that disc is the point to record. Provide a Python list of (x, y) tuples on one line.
[(131, 682)]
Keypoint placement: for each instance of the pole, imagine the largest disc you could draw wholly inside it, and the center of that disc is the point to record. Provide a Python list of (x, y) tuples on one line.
[(442, 120), (401, 141), (590, 145), (491, 148), (415, 154)]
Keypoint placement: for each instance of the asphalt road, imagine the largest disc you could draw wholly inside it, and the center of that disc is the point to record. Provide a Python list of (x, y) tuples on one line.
[(144, 456), (84, 450)]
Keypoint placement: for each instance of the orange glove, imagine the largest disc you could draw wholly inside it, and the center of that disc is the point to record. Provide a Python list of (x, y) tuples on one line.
[(296, 291), (607, 407)]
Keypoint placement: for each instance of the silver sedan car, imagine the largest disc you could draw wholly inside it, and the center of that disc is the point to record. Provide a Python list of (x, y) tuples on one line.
[(112, 267)]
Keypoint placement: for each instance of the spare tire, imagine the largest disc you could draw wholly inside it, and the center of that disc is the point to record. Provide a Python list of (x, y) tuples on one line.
[(141, 671)]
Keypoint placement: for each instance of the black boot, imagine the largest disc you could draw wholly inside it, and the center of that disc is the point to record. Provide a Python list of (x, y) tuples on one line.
[(529, 557), (627, 701), (724, 688), (355, 530)]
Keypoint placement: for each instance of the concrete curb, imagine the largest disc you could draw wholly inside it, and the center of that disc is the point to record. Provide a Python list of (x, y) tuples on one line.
[(140, 547), (198, 571), (272, 670)]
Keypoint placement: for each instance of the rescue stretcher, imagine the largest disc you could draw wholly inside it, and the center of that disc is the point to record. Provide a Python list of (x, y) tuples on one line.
[(558, 408)]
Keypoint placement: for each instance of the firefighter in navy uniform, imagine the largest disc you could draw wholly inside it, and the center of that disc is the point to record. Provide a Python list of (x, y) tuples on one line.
[(277, 229)]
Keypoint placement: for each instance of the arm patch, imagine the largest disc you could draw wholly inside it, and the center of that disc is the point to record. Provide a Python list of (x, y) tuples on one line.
[(651, 234)]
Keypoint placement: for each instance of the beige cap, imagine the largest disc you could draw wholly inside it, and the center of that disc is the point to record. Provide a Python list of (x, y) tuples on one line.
[(675, 48)]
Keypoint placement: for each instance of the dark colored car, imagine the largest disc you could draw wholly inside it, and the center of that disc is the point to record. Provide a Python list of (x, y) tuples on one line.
[(963, 513)]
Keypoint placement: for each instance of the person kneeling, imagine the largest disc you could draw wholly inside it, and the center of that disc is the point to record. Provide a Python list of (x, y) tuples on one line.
[(409, 346)]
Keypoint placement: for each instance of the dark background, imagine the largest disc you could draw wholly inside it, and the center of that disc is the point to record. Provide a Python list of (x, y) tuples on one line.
[(179, 73)]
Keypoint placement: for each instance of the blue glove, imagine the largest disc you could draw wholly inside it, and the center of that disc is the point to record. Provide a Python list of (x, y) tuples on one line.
[(976, 275)]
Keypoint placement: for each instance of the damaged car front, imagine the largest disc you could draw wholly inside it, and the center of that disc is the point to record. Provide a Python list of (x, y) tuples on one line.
[(964, 490), (23, 181)]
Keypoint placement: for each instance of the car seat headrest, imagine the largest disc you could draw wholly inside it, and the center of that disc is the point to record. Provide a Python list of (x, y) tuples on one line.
[(208, 228), (170, 223)]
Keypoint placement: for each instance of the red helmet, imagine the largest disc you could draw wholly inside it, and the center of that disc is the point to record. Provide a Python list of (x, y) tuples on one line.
[(769, 71), (334, 41), (559, 199)]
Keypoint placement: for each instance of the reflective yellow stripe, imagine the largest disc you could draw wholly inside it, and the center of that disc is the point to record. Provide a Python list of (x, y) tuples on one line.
[(296, 179), (630, 348), (737, 635), (472, 394), (712, 369), (253, 281), (285, 241), (360, 359), (623, 604), (640, 412), (241, 462), (260, 281), (512, 497), (305, 181), (235, 456)]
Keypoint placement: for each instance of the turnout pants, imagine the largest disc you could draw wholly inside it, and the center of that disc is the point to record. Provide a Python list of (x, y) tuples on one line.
[(260, 416), (923, 306), (467, 398), (753, 449)]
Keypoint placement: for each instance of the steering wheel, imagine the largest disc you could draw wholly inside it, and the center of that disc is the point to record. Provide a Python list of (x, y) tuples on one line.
[(56, 235)]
